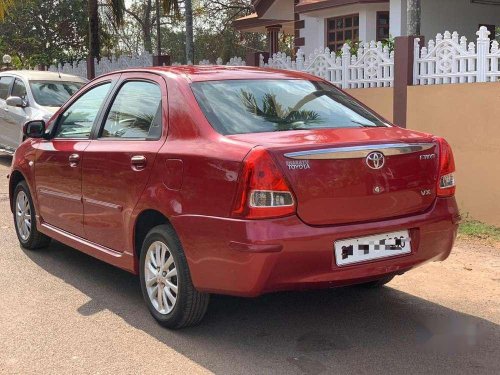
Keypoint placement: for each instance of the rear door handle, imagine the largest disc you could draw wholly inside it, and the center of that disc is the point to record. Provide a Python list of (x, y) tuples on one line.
[(138, 162), (74, 160)]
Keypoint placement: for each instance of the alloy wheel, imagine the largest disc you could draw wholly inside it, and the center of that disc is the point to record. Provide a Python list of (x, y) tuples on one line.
[(23, 215), (161, 277)]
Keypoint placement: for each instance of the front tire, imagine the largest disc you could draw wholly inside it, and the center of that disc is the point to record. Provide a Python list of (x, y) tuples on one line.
[(25, 219), (166, 282)]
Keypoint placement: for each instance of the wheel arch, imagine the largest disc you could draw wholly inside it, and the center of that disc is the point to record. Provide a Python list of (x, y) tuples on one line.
[(146, 220), (15, 178)]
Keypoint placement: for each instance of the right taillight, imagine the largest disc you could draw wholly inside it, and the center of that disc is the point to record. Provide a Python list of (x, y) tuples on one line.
[(263, 191), (446, 180)]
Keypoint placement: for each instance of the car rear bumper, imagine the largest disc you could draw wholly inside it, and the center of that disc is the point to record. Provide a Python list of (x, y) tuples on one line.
[(252, 257)]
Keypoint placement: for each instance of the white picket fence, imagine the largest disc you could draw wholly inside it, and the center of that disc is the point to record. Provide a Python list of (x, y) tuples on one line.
[(107, 65), (449, 59), (371, 66)]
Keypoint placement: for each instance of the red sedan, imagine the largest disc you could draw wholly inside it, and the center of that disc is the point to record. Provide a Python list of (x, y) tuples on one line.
[(237, 181)]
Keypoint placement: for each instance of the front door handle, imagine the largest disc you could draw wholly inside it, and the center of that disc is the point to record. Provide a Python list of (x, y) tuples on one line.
[(138, 162), (74, 160)]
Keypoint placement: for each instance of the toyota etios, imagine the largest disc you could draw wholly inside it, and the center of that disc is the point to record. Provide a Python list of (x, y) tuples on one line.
[(237, 181)]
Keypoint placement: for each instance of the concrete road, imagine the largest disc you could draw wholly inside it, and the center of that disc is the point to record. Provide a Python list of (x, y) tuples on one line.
[(64, 312)]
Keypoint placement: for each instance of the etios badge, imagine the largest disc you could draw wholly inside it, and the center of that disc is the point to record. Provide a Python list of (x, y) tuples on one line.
[(375, 160)]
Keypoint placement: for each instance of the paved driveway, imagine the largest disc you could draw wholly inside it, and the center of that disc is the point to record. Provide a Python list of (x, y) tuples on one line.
[(64, 312)]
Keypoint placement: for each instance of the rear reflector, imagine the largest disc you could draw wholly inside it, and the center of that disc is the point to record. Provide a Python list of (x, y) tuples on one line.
[(263, 191), (446, 182)]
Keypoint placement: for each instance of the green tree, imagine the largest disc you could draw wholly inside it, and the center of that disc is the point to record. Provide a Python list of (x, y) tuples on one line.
[(112, 10), (141, 13), (172, 7), (215, 34), (5, 6), (37, 32)]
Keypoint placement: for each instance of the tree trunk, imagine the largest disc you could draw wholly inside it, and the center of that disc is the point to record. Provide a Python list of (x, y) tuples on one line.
[(147, 26), (413, 17), (189, 31), (158, 29), (148, 40), (94, 45)]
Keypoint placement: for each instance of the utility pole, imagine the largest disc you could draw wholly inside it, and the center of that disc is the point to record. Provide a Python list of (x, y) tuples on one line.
[(414, 12)]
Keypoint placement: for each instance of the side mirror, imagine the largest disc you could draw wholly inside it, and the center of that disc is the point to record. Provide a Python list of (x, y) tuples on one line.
[(34, 129), (16, 101)]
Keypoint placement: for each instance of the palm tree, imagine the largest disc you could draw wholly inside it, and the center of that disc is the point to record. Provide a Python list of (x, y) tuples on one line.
[(115, 11), (172, 7), (5, 5), (112, 9)]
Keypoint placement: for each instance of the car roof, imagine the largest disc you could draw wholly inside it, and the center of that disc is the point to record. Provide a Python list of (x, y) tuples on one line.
[(37, 75), (200, 73)]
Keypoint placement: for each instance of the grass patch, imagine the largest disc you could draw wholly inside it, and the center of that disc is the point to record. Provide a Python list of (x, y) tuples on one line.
[(476, 229)]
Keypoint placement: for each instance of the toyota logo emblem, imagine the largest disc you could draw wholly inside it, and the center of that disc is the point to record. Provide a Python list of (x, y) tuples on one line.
[(375, 160)]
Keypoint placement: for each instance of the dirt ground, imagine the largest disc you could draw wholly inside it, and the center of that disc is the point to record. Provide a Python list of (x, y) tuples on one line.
[(64, 312)]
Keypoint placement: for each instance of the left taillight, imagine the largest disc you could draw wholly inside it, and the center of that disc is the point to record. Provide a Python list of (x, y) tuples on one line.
[(263, 190), (446, 182)]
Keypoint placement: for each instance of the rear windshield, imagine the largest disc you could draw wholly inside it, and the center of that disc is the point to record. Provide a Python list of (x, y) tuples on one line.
[(254, 106), (53, 93)]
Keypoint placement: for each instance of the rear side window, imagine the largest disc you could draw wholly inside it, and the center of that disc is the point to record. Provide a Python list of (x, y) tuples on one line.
[(19, 89), (254, 106), (78, 119), (5, 83), (135, 112)]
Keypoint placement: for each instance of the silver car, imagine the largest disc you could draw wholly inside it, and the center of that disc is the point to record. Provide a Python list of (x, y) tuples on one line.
[(30, 95)]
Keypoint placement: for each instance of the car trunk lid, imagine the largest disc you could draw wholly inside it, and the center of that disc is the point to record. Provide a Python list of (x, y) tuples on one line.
[(356, 175)]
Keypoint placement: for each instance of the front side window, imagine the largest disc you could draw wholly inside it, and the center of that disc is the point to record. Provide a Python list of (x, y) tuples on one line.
[(78, 119), (19, 89), (255, 106), (53, 93), (135, 113), (5, 83)]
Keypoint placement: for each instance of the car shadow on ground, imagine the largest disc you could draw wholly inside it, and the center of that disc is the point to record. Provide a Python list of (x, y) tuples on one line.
[(5, 160), (348, 330)]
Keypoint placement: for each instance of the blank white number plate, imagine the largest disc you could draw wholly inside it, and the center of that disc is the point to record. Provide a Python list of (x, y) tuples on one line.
[(362, 249)]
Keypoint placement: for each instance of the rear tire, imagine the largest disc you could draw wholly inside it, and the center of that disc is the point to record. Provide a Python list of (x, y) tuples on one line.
[(25, 219), (166, 282), (377, 283)]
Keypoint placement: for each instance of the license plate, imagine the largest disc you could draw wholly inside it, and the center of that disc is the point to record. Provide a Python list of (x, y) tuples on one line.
[(363, 249)]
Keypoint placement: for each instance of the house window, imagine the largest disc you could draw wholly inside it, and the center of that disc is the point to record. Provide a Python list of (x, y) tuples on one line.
[(382, 26), (341, 29)]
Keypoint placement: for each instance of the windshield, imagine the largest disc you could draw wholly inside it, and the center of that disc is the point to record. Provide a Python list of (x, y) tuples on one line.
[(254, 106), (53, 93)]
